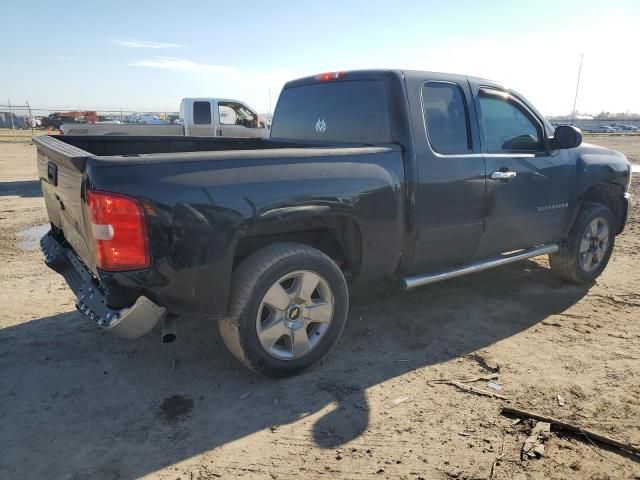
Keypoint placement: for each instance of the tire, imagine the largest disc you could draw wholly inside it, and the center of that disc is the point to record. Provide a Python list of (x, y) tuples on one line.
[(273, 309), (570, 262)]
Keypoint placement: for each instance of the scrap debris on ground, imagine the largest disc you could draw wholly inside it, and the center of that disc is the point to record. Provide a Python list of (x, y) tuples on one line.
[(534, 444)]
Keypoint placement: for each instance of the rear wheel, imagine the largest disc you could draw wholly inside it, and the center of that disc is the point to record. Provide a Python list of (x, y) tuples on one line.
[(288, 308), (585, 254)]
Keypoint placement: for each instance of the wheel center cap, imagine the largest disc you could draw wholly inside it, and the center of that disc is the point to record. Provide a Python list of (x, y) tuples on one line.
[(294, 317), (294, 313)]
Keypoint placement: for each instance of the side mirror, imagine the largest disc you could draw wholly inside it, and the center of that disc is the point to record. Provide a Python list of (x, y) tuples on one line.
[(566, 136)]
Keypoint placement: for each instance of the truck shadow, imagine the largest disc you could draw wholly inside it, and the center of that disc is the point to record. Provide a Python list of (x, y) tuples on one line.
[(78, 402), (21, 188)]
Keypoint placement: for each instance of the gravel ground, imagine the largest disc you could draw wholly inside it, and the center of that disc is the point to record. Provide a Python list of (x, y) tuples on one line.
[(79, 403)]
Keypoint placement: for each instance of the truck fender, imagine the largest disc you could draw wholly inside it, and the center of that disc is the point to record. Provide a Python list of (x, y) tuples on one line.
[(338, 235)]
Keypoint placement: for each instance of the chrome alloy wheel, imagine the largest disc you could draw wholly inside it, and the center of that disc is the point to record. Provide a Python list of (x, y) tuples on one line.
[(594, 243), (294, 315)]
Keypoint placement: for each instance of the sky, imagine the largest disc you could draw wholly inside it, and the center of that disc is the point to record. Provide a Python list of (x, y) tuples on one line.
[(147, 55)]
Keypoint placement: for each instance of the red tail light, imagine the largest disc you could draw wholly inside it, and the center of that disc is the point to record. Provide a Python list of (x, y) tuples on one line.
[(119, 231), (328, 76)]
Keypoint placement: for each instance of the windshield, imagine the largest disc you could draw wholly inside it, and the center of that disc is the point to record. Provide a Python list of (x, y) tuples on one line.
[(334, 112)]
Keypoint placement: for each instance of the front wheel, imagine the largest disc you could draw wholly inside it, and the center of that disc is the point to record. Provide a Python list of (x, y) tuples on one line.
[(289, 304), (585, 254)]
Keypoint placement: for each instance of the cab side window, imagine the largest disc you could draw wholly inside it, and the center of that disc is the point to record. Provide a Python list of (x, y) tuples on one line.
[(202, 113), (227, 115), (507, 125), (446, 119)]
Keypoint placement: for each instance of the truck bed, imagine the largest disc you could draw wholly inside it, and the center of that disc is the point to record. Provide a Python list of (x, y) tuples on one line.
[(196, 189), (76, 150)]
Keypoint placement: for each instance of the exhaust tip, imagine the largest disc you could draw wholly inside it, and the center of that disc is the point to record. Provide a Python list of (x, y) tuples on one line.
[(169, 329), (168, 337)]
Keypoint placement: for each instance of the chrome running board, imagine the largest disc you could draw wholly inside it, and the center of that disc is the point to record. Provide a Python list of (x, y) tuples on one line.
[(420, 280)]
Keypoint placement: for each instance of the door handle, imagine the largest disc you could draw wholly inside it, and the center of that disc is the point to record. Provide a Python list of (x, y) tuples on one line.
[(503, 175)]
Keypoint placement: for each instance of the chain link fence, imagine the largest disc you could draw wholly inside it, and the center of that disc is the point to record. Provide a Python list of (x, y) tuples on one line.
[(21, 122)]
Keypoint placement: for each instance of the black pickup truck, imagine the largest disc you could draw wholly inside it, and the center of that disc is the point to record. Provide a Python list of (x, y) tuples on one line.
[(415, 177)]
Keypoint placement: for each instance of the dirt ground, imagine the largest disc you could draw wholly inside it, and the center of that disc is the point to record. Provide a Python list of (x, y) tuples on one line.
[(79, 403)]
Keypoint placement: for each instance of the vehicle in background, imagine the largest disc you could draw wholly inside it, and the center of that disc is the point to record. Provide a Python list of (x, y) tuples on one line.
[(415, 177), (107, 118), (202, 117), (145, 119), (33, 122), (172, 118), (56, 119), (605, 129), (628, 128)]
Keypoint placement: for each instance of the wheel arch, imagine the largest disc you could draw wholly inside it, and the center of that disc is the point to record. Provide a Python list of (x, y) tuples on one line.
[(609, 195), (338, 236)]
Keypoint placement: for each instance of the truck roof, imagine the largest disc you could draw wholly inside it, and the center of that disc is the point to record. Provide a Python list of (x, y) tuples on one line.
[(207, 99), (402, 75), (383, 73)]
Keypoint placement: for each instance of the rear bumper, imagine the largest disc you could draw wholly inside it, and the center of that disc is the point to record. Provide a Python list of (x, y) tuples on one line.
[(132, 322)]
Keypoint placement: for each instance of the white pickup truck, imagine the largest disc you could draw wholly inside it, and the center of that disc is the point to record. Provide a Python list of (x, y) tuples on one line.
[(202, 117)]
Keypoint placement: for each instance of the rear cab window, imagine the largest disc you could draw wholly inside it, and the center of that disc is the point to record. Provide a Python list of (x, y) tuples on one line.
[(446, 118), (354, 111)]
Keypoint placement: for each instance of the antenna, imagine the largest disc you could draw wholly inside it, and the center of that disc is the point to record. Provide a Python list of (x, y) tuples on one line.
[(575, 99)]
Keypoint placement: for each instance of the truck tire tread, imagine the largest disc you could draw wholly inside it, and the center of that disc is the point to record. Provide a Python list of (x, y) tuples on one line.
[(565, 263)]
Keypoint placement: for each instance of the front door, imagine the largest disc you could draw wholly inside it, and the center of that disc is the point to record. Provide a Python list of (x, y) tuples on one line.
[(237, 120), (528, 186), (451, 173)]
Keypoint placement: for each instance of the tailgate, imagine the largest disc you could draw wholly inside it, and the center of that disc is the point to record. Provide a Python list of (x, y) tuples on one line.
[(61, 171)]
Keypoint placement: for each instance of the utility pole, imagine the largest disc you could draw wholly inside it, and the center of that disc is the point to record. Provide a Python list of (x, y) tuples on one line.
[(13, 128), (31, 119), (575, 99)]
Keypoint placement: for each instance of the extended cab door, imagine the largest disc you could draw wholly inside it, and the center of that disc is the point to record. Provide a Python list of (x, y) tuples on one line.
[(450, 192), (199, 118), (238, 120), (528, 185)]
